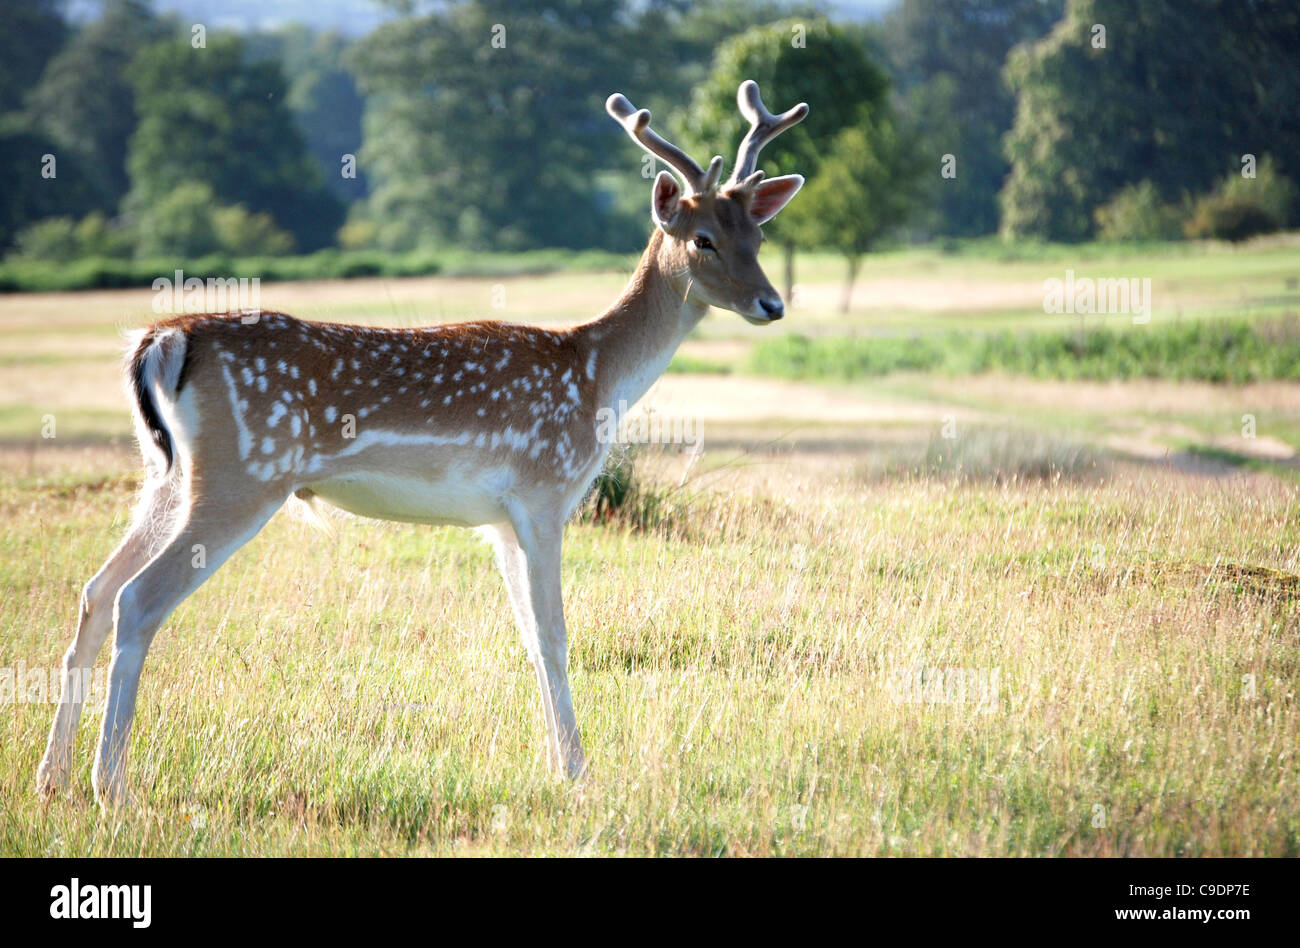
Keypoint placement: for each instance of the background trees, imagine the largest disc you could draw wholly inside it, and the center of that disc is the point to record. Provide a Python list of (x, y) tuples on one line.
[(481, 127), (206, 116), (946, 58), (1177, 95), (84, 101), (867, 185), (488, 134), (792, 61)]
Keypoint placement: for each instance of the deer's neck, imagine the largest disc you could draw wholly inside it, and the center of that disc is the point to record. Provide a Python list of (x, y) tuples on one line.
[(630, 345)]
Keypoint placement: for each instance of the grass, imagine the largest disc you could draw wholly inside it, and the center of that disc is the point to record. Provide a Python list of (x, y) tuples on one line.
[(1117, 556), (737, 683), (43, 276), (1238, 350)]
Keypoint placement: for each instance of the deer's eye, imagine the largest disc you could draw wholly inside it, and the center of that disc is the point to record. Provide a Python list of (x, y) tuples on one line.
[(703, 243)]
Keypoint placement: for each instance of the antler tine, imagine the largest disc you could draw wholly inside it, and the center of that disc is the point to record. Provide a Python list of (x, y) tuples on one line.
[(763, 127), (637, 124)]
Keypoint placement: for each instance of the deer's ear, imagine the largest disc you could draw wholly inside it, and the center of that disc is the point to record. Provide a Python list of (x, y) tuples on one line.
[(664, 199), (773, 194)]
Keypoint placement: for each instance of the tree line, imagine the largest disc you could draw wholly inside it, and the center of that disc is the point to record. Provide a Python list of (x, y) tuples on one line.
[(481, 127)]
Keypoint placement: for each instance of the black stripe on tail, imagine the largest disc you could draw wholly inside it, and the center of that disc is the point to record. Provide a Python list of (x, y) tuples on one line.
[(144, 398)]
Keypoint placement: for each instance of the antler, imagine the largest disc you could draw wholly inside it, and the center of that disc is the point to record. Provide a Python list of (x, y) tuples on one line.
[(763, 127), (637, 124)]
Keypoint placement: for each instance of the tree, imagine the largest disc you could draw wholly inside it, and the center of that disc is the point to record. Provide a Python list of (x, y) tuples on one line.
[(28, 194), (1241, 207), (33, 32), (867, 185), (947, 58), (190, 222), (323, 97), (792, 61), (1176, 93), (208, 117), (84, 102), (485, 127)]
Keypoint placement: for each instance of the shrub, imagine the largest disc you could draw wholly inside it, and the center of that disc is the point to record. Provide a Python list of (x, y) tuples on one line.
[(1231, 219), (54, 238), (238, 231), (188, 222), (1240, 208), (1137, 213), (64, 239)]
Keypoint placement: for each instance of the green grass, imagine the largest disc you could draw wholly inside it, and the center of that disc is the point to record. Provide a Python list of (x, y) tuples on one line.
[(1236, 351), (20, 275), (737, 644), (736, 682)]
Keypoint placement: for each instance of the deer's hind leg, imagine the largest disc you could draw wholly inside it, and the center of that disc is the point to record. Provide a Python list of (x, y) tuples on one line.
[(152, 525), (218, 515)]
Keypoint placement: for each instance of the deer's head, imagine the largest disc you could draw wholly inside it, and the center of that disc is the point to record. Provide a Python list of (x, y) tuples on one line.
[(712, 233)]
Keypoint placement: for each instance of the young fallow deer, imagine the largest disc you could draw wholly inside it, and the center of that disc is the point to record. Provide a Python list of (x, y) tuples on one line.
[(481, 424)]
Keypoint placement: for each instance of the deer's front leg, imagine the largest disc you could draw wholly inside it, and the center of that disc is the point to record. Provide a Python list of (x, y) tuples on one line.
[(548, 649)]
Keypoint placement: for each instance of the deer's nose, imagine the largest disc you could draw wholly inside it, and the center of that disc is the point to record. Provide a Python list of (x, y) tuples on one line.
[(775, 309)]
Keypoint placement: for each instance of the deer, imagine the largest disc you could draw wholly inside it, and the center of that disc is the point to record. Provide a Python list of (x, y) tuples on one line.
[(490, 425)]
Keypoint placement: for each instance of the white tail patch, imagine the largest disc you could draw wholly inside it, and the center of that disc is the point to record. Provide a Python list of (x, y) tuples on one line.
[(160, 372)]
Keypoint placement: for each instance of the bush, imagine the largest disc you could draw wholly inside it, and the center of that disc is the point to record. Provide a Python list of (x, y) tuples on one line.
[(20, 274), (1137, 213), (178, 225), (188, 222), (238, 231), (54, 238), (1269, 190), (1240, 207), (1231, 219), (64, 239)]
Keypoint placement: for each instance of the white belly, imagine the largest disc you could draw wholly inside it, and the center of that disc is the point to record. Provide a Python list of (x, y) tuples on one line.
[(459, 501)]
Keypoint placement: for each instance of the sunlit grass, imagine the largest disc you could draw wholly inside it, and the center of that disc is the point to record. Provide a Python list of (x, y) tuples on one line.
[(734, 677), (1122, 556)]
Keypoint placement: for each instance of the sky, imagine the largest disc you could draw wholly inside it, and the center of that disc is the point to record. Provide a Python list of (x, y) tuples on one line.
[(353, 17)]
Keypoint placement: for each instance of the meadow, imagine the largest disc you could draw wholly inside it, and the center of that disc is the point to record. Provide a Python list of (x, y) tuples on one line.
[(899, 609)]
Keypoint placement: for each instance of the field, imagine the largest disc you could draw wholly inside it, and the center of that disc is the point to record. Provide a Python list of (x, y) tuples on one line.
[(912, 613)]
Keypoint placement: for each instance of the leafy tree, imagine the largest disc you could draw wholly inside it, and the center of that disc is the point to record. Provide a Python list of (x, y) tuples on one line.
[(33, 32), (323, 97), (208, 117), (1136, 212), (1177, 95), (866, 186), (485, 126), (84, 102), (1240, 207), (947, 58), (27, 194), (189, 222), (792, 61)]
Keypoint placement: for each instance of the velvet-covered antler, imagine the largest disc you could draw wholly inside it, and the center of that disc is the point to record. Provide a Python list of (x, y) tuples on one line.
[(763, 127), (637, 124)]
